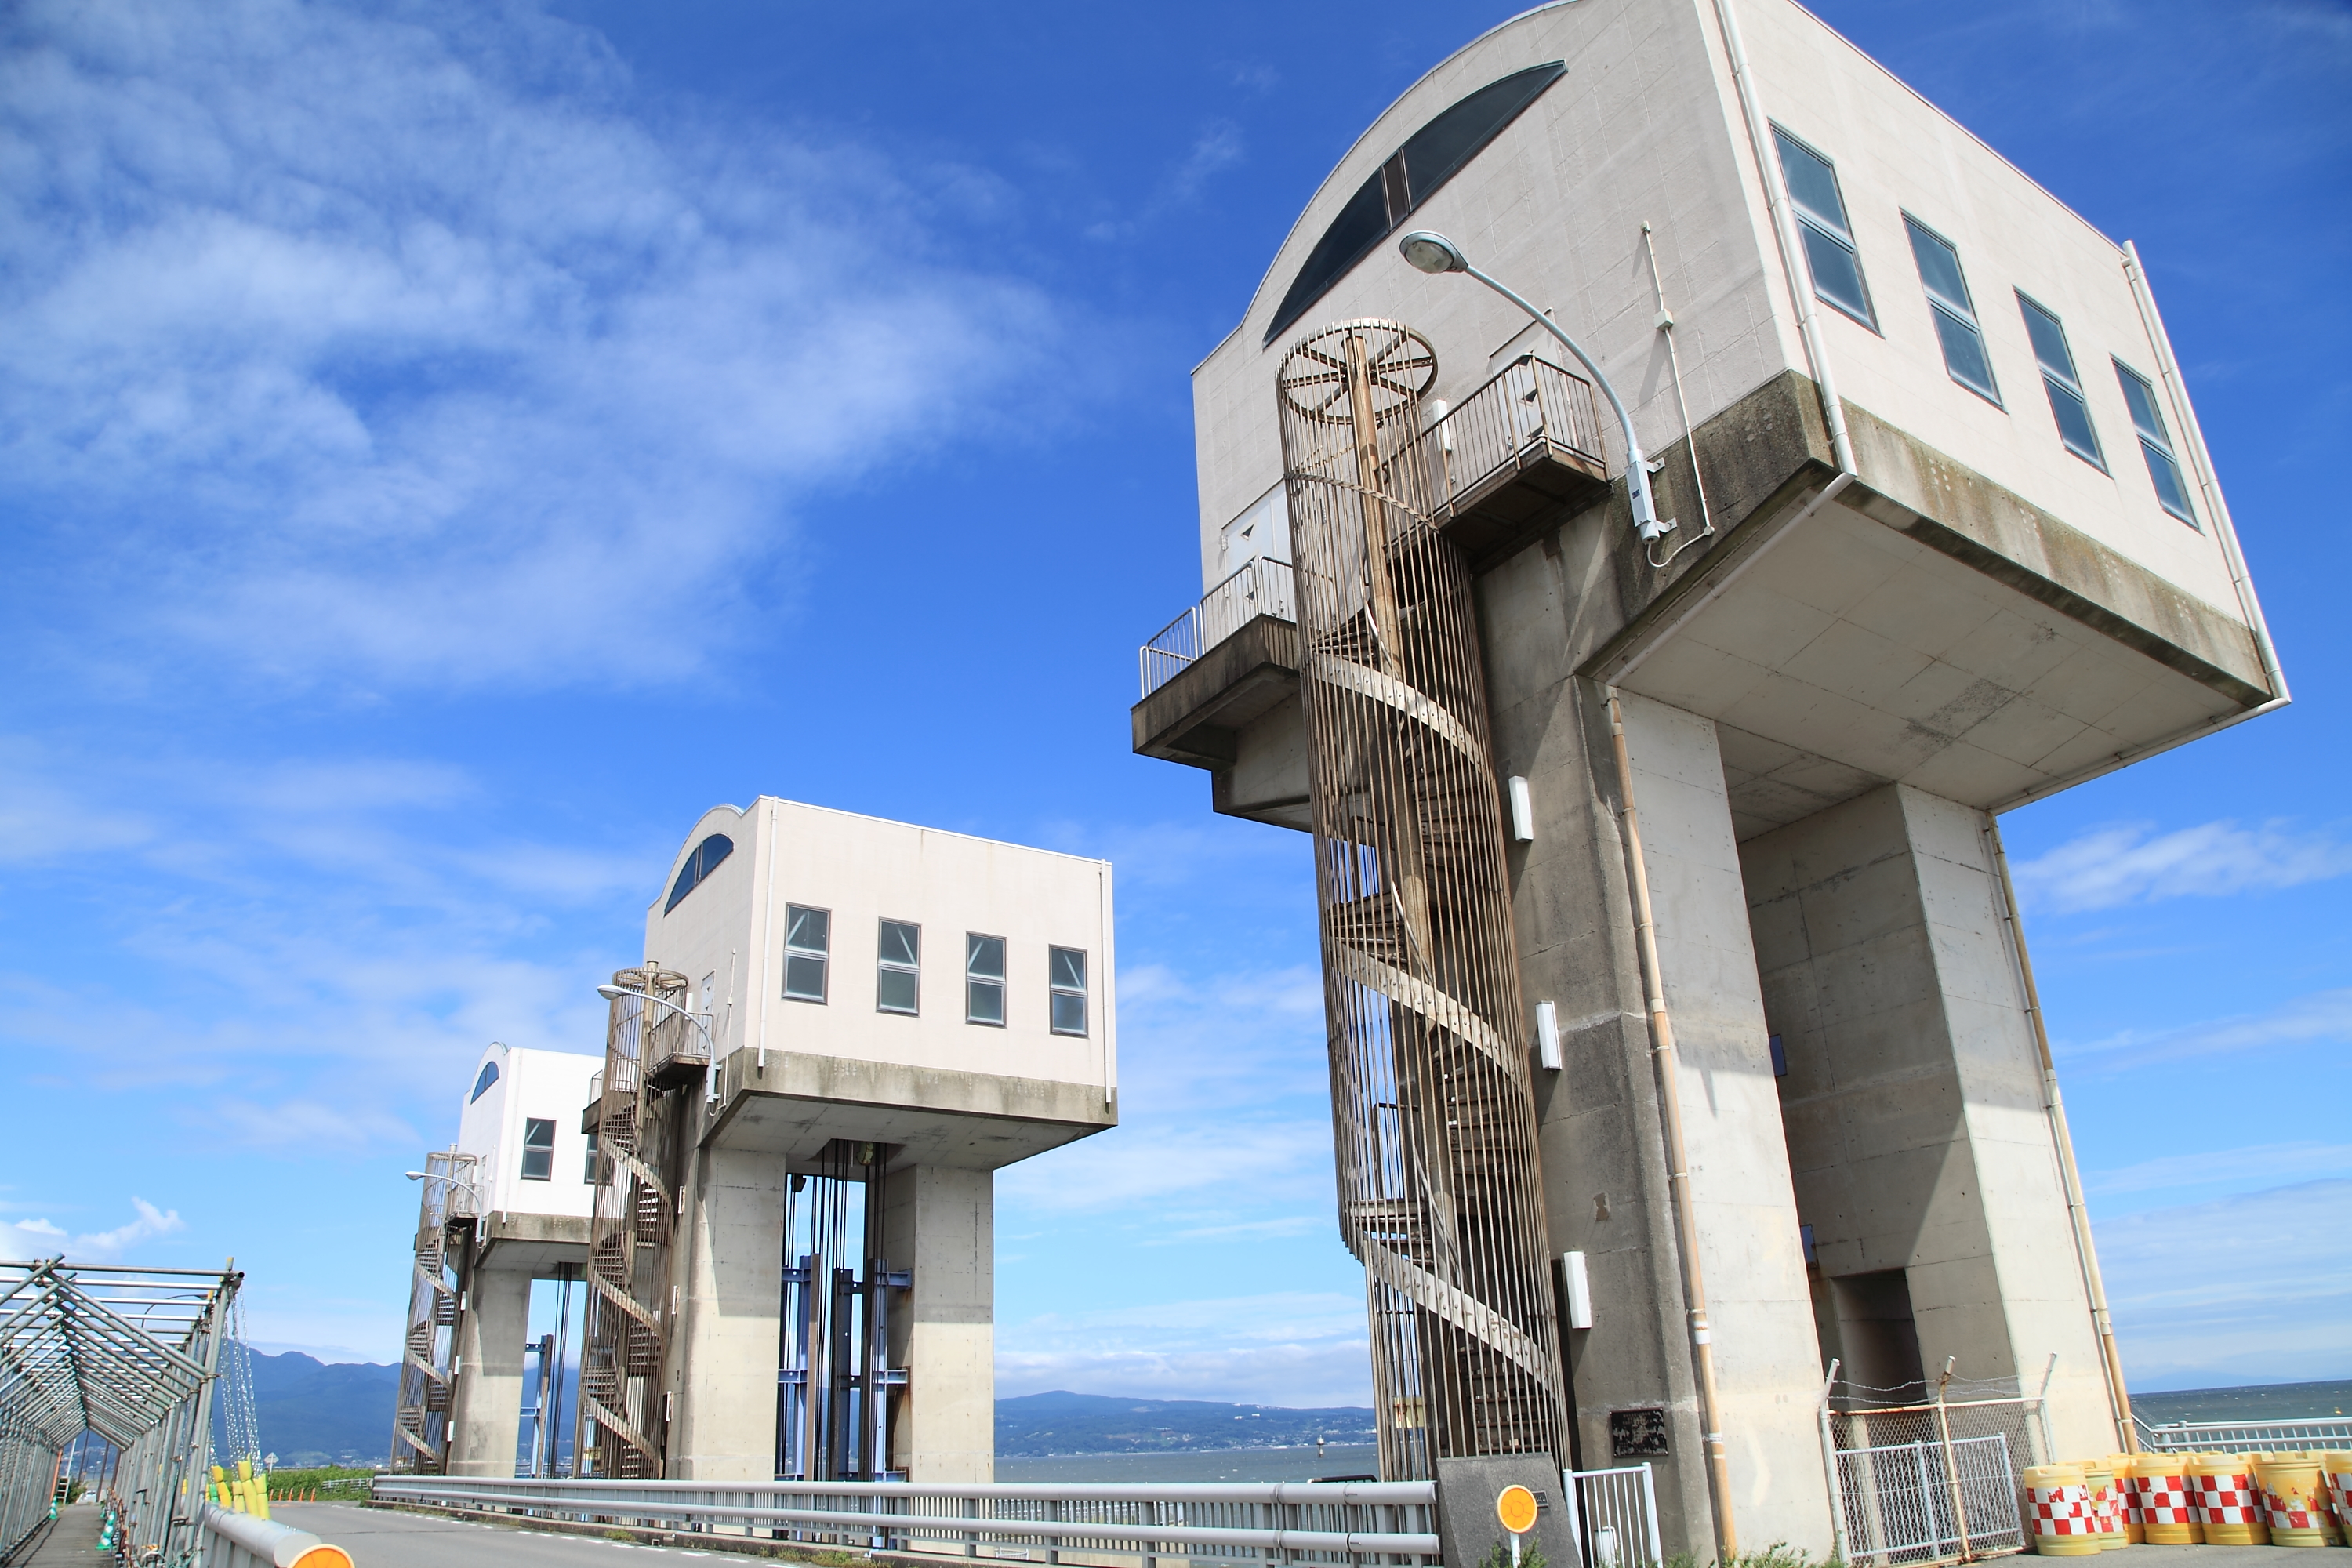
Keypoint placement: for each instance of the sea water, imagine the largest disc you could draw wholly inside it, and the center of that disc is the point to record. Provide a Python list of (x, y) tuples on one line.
[(1301, 1464)]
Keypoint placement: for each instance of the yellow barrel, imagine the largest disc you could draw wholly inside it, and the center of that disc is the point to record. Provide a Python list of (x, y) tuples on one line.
[(2293, 1498), (2224, 1498), (2058, 1511), (2106, 1504), (2160, 1493), (2336, 1471), (2127, 1497)]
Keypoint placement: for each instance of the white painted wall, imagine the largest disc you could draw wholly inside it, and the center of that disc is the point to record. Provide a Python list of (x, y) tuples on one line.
[(1646, 127), (549, 1084), (731, 930)]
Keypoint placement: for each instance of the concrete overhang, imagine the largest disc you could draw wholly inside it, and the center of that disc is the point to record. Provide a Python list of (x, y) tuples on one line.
[(1195, 718), (538, 1242), (797, 1103), (1927, 626)]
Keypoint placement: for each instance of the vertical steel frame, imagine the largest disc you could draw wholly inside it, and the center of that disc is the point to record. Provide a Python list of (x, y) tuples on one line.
[(1432, 1099)]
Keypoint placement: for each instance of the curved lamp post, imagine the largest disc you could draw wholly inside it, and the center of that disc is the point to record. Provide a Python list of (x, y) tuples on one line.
[(1432, 252)]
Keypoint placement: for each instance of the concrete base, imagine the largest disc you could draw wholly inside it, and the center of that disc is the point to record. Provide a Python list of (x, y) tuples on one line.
[(940, 1222), (729, 1320), (485, 1406), (1467, 1523)]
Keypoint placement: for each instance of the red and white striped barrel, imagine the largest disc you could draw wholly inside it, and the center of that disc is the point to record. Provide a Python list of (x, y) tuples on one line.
[(2161, 1498), (2226, 1501), (2059, 1511)]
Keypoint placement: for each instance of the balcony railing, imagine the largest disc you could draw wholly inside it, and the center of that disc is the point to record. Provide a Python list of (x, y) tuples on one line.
[(1530, 413), (679, 1048), (1262, 587)]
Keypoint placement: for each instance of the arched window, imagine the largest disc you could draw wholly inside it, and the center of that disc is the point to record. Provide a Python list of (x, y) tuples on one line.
[(1429, 157), (482, 1084), (698, 865)]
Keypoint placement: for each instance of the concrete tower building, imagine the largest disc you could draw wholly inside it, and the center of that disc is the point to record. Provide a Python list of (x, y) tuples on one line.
[(1945, 538), (779, 1195)]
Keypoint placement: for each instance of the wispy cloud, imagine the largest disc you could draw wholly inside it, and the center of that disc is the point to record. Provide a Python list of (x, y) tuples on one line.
[(2132, 863), (1295, 1348), (40, 1238), (405, 346), (1145, 1171), (2266, 1162), (2321, 1016), (1218, 146), (2253, 1289)]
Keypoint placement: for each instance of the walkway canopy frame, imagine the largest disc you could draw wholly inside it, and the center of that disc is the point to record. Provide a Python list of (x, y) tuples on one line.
[(131, 1354)]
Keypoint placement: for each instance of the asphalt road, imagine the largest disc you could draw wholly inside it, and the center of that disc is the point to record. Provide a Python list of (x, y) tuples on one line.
[(381, 1538)]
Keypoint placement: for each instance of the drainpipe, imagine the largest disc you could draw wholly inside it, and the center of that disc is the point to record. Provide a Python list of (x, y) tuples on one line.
[(2085, 1254), (1808, 329), (1670, 1105)]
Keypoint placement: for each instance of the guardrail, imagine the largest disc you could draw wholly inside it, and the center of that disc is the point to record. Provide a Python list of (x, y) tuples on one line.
[(1263, 587), (2245, 1436), (1268, 1523), (1529, 410)]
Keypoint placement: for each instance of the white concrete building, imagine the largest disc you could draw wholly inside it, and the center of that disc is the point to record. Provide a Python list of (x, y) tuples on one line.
[(1946, 539), (521, 1121), (841, 1028)]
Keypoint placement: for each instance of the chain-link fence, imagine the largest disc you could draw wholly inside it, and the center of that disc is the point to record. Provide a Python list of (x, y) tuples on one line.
[(1933, 1480)]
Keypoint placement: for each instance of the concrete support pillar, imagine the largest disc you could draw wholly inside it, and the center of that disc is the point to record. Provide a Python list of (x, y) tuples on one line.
[(486, 1406), (1925, 1160), (1606, 1189), (940, 1222), (733, 1297)]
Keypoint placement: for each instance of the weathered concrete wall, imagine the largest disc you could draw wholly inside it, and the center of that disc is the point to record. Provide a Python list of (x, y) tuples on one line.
[(730, 1319), (1914, 1101), (485, 1406), (941, 1222), (1602, 1140)]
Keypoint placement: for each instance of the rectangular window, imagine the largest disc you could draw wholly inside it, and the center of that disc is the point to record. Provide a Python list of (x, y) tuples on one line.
[(1068, 979), (983, 979), (589, 1175), (1955, 313), (538, 1150), (898, 976), (2066, 402), (1829, 253), (2156, 444), (808, 940)]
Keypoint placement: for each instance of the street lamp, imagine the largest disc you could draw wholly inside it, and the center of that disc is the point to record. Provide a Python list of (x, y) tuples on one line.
[(699, 1020), (1432, 252)]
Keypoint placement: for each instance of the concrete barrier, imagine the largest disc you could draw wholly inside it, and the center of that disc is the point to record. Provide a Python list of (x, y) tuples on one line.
[(241, 1541)]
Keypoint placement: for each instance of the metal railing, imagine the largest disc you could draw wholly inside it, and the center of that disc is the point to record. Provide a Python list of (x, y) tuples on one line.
[(2245, 1436), (1615, 1517), (1236, 1526), (1530, 410), (1263, 587), (1931, 1502), (233, 1540)]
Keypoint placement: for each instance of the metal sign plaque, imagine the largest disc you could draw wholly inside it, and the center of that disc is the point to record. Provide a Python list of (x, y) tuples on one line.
[(1637, 1434)]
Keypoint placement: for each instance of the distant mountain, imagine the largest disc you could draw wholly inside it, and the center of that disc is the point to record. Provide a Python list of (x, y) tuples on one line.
[(1038, 1424), (317, 1413)]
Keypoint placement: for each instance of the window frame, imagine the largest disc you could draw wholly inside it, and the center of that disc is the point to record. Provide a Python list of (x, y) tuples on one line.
[(821, 956), (885, 966), (1961, 312), (2058, 383), (545, 1151), (1807, 223), (2156, 445), (973, 977), (483, 1083), (589, 1178), (1056, 992)]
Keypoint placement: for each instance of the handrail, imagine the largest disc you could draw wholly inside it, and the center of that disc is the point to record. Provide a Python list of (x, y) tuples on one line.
[(1523, 409), (1261, 585)]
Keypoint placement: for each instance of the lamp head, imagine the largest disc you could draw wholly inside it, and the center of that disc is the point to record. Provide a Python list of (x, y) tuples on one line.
[(611, 993), (1430, 251), (414, 1175)]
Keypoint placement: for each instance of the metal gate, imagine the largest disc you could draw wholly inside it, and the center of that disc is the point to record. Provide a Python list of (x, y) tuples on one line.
[(1929, 1502), (1613, 1514)]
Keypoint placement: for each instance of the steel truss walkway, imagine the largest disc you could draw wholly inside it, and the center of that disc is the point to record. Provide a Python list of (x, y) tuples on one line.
[(131, 1354)]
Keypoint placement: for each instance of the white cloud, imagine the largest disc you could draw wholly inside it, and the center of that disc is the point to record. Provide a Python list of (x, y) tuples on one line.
[(2267, 1161), (1296, 1349), (2252, 1288), (2112, 866), (356, 344), (2322, 1017), (1142, 1171), (40, 1238)]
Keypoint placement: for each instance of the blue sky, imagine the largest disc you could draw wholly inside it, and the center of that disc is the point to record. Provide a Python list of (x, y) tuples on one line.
[(445, 450)]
